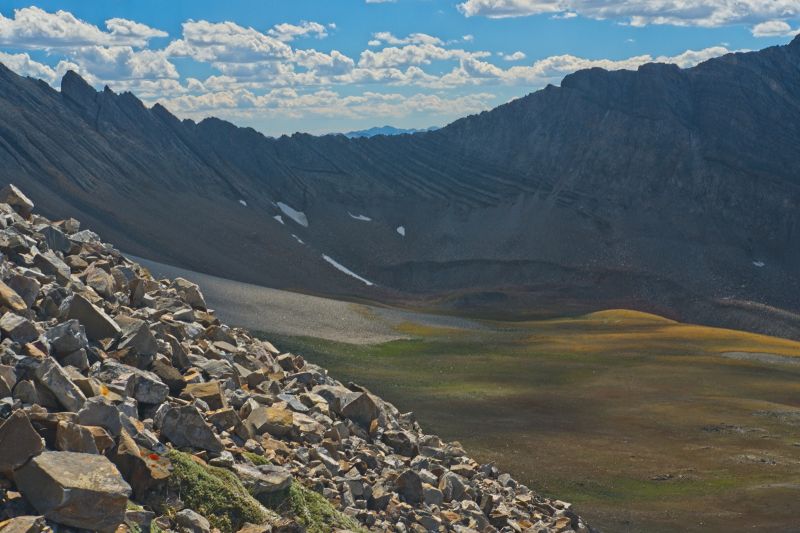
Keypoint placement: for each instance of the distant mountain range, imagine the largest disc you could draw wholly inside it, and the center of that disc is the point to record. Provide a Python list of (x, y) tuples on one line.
[(385, 130), (662, 189)]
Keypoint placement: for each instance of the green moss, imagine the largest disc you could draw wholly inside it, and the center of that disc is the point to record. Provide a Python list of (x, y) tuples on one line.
[(310, 509), (256, 459), (215, 493)]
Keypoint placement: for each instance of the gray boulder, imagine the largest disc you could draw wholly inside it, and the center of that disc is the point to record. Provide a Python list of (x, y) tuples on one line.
[(75, 489)]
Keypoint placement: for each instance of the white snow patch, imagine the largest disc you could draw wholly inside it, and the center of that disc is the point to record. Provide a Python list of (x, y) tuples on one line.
[(298, 239), (346, 270), (759, 264), (401, 230), (360, 217), (278, 218), (294, 214), (243, 203)]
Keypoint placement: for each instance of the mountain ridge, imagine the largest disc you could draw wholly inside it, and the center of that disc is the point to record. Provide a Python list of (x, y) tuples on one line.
[(659, 189)]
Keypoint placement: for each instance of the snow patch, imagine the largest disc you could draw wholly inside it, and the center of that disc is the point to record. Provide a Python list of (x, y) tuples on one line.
[(243, 203), (401, 230), (298, 239), (342, 268), (359, 217), (278, 218), (294, 214), (759, 264)]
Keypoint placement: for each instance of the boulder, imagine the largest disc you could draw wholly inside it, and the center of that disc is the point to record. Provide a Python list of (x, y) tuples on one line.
[(75, 489), (26, 287), (189, 521), (209, 392), (18, 442), (52, 377), (144, 471), (186, 428), (190, 293), (264, 479), (98, 411), (24, 524), (409, 486), (74, 438), (18, 329), (273, 420), (49, 263), (97, 323), (10, 299), (14, 197), (136, 336), (66, 338), (360, 408)]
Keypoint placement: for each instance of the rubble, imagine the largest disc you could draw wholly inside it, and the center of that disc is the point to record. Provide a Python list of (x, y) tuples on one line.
[(126, 401)]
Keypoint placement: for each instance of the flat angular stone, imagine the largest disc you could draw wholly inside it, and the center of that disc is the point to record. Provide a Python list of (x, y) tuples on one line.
[(409, 486), (98, 411), (186, 428), (75, 489), (66, 338), (27, 288), (75, 438), (24, 524), (263, 480), (97, 323), (360, 408), (14, 197), (273, 420), (50, 375), (143, 470), (18, 442), (209, 392), (10, 299), (49, 263), (136, 336), (18, 329)]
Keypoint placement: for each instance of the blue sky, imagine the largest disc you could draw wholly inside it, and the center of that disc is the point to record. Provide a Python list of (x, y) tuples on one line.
[(336, 65)]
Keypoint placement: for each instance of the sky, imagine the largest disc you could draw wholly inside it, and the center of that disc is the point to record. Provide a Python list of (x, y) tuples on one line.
[(320, 66)]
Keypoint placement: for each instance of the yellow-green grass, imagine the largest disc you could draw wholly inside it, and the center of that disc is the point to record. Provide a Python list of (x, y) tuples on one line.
[(639, 420)]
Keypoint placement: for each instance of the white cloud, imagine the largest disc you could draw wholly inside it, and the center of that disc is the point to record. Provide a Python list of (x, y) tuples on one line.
[(412, 54), (23, 65), (288, 32), (124, 63), (226, 42), (414, 38), (32, 27), (708, 13), (516, 56), (773, 28)]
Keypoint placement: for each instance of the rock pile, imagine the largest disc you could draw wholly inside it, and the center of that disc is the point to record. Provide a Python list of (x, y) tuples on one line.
[(125, 405)]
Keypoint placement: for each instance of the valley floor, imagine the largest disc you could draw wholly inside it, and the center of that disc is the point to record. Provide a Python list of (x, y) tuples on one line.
[(643, 423)]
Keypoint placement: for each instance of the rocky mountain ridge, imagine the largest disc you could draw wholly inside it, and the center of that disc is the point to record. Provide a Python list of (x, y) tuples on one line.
[(125, 405), (663, 189)]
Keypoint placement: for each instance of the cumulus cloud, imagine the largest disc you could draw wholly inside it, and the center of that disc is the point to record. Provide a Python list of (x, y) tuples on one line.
[(773, 28), (414, 38), (516, 56), (226, 42), (32, 27), (288, 32), (708, 13)]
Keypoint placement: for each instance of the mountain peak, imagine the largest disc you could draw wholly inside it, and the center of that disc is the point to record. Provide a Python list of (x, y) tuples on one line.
[(74, 87)]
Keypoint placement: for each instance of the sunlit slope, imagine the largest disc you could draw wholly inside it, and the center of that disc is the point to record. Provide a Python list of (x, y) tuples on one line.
[(646, 424)]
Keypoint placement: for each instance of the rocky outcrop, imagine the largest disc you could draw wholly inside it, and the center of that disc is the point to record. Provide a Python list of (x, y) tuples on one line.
[(173, 419), (666, 190)]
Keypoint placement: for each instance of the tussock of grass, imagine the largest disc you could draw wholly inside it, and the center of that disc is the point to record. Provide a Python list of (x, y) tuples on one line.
[(311, 509), (258, 460), (215, 493)]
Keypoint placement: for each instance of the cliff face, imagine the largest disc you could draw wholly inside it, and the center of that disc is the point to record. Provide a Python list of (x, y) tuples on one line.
[(664, 189)]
